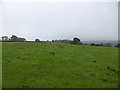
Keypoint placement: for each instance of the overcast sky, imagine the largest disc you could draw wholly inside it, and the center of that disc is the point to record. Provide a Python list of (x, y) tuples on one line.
[(50, 21)]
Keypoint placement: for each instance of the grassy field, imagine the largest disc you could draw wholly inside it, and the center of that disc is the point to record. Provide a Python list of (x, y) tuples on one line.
[(0, 65), (56, 65)]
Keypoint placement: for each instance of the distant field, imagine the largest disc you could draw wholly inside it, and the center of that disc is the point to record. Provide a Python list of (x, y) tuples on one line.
[(56, 65)]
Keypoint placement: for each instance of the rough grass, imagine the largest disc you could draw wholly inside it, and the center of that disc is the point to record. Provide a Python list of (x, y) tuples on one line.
[(56, 65)]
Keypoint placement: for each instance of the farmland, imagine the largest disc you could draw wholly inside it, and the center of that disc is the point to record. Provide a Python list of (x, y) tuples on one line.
[(58, 65)]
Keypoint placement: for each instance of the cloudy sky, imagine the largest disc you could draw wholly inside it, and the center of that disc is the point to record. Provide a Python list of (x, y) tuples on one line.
[(60, 20)]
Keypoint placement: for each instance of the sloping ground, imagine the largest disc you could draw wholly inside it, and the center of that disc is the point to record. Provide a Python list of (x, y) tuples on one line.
[(56, 65), (0, 65)]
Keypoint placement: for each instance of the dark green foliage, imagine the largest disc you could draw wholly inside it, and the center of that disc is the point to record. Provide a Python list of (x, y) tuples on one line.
[(62, 41), (4, 38), (76, 41), (21, 39), (16, 39), (13, 38), (37, 40)]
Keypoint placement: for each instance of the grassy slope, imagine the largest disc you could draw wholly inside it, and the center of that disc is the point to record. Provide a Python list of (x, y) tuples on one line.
[(31, 65), (0, 65)]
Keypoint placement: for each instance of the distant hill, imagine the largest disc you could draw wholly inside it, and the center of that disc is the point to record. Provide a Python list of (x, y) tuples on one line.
[(113, 42)]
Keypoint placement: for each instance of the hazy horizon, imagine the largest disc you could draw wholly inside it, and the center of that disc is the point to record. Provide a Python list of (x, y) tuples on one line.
[(50, 21)]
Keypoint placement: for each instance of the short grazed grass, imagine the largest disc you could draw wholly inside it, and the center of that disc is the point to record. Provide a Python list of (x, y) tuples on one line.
[(57, 65)]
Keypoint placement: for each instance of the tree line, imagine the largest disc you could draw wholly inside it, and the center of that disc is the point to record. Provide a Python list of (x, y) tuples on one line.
[(75, 40), (106, 44), (13, 38)]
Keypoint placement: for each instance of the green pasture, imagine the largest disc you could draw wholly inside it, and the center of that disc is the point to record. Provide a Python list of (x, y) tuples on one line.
[(57, 65)]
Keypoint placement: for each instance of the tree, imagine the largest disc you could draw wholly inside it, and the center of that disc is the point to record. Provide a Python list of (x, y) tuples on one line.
[(76, 41), (37, 40), (14, 38), (21, 39), (4, 37)]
